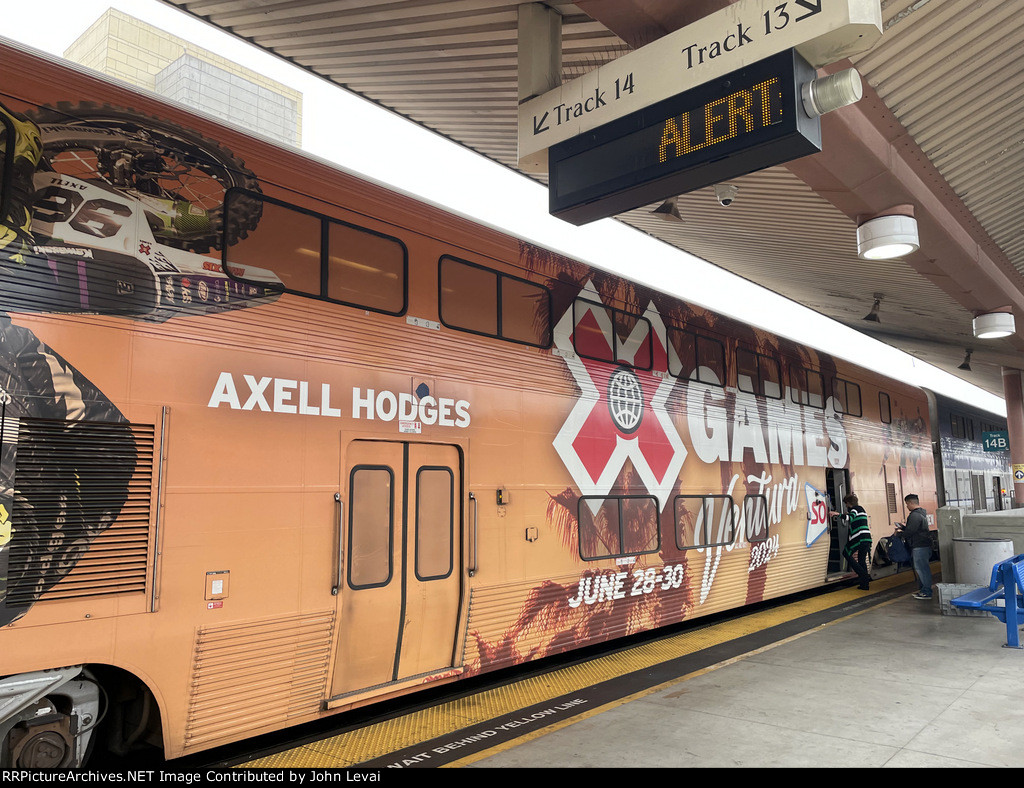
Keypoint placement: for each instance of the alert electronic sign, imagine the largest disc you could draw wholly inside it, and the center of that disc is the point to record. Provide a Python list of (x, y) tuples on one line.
[(745, 121)]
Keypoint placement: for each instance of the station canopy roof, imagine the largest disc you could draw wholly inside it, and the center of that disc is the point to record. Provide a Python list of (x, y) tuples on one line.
[(939, 127)]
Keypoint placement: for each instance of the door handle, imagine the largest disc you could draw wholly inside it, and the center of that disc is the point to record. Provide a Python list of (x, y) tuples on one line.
[(473, 567), (340, 555)]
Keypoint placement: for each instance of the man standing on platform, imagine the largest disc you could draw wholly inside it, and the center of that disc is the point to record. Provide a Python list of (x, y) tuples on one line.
[(919, 541)]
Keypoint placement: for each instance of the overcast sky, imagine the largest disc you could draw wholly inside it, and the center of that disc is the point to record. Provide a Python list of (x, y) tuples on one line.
[(361, 137)]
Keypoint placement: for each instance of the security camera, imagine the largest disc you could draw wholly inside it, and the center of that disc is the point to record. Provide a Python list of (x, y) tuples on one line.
[(725, 193)]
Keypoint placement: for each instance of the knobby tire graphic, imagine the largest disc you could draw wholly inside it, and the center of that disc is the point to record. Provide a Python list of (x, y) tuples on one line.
[(180, 176)]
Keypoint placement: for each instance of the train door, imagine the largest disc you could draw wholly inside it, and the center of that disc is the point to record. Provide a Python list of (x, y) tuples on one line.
[(837, 487), (401, 581)]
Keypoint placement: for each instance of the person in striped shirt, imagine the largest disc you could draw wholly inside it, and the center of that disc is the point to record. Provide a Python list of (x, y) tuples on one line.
[(858, 544)]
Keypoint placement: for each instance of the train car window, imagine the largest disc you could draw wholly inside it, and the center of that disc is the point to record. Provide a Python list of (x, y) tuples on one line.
[(746, 371), (365, 269), (704, 521), (291, 254), (711, 358), (961, 426), (846, 396), (435, 522), (755, 518), (771, 377), (371, 526), (484, 301), (806, 386), (7, 135), (758, 374), (694, 357), (617, 526), (607, 334), (525, 312), (299, 251), (682, 357), (884, 408), (469, 297)]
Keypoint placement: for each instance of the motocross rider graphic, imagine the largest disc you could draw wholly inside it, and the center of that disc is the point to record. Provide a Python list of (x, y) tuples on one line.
[(65, 229)]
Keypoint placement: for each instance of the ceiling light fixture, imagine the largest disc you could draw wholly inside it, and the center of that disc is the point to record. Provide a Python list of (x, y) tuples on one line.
[(888, 235), (872, 316), (994, 325), (966, 365), (668, 210)]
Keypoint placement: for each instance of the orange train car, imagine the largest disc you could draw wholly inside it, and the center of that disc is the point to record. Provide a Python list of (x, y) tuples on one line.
[(279, 442)]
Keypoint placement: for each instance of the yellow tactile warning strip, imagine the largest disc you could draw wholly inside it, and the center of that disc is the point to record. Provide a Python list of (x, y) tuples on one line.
[(355, 747)]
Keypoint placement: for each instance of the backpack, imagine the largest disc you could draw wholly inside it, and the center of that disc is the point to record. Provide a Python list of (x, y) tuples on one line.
[(897, 550)]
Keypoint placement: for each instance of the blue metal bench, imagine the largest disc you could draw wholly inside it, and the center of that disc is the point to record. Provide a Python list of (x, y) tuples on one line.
[(1006, 586)]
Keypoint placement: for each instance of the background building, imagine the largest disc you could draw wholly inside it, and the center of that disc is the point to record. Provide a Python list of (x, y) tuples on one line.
[(128, 49)]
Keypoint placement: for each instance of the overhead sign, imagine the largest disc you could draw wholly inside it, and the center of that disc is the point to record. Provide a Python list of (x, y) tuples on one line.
[(745, 121), (822, 31), (997, 440)]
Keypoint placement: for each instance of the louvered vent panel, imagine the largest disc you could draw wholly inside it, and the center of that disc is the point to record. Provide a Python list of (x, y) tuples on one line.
[(81, 520), (257, 675)]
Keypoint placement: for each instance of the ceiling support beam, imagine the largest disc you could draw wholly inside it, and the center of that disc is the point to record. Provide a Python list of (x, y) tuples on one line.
[(540, 50)]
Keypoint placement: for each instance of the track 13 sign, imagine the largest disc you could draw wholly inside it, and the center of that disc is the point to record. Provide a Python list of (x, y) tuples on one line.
[(745, 121)]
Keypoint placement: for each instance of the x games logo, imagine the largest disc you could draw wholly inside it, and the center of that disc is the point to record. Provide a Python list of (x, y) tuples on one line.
[(621, 413)]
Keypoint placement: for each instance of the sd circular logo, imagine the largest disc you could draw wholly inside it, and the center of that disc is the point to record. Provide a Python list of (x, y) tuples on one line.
[(625, 399)]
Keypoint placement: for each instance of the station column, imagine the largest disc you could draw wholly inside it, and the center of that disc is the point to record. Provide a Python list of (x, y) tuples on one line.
[(1013, 393)]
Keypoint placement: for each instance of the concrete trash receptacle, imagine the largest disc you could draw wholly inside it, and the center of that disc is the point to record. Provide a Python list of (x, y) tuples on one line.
[(974, 558)]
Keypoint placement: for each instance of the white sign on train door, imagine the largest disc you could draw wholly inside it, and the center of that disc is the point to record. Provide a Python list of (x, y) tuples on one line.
[(822, 31), (817, 513)]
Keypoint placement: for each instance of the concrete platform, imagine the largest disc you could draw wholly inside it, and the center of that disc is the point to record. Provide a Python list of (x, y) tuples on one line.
[(896, 685)]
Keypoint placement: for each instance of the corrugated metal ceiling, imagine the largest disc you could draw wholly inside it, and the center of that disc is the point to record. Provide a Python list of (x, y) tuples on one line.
[(947, 69)]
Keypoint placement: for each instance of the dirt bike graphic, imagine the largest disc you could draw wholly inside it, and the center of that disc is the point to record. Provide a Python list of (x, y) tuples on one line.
[(104, 211), (124, 212)]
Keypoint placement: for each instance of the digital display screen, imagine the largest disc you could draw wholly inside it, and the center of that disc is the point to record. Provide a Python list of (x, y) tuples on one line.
[(745, 121)]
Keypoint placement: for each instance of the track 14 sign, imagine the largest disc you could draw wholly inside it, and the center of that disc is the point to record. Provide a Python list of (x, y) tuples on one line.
[(822, 31)]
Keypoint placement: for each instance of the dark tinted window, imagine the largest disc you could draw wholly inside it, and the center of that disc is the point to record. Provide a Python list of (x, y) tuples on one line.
[(806, 386), (704, 521), (617, 526), (484, 301), (695, 357), (758, 374), (884, 408), (307, 253), (607, 334)]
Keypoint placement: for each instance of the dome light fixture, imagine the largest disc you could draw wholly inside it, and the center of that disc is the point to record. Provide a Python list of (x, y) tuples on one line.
[(994, 325), (889, 235)]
